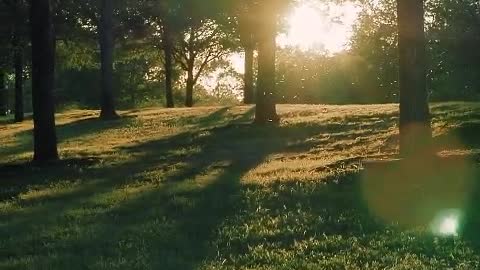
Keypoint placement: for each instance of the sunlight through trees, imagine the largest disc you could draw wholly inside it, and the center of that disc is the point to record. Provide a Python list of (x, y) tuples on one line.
[(239, 134)]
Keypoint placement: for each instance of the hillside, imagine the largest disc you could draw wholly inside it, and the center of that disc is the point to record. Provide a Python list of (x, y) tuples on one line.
[(202, 188)]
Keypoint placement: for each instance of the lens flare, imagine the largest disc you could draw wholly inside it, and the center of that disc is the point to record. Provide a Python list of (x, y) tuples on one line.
[(418, 191), (447, 223)]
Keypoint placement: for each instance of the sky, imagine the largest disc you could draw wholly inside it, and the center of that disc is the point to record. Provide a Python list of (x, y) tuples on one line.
[(318, 27)]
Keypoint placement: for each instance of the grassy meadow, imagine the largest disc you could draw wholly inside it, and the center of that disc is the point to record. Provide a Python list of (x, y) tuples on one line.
[(202, 188)]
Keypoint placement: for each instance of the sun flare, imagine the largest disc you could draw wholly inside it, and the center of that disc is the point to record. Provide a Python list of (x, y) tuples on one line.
[(324, 27)]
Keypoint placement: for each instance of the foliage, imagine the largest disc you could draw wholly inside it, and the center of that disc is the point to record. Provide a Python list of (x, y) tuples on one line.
[(454, 36), (304, 77), (366, 73), (452, 33), (203, 42)]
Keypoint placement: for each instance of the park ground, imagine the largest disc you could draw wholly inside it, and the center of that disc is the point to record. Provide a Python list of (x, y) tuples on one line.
[(202, 188)]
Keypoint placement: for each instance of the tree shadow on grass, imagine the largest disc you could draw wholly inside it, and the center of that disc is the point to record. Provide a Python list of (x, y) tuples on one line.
[(170, 218), (463, 136), (221, 117), (164, 208), (90, 126), (65, 132), (324, 226), (15, 176)]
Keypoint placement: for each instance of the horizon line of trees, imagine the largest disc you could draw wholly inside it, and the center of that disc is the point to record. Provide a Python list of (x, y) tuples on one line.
[(190, 37), (144, 75)]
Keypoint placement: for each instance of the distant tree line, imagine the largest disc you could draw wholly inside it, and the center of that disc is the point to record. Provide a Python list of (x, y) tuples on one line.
[(151, 63), (109, 51), (368, 71)]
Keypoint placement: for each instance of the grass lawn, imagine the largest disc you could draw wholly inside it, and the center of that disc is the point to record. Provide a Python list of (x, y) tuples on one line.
[(203, 189)]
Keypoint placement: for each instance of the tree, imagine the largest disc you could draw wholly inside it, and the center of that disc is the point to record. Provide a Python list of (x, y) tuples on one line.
[(3, 96), (375, 44), (15, 23), (43, 59), (106, 51), (168, 49), (204, 42), (18, 47), (453, 37), (415, 127), (266, 108), (247, 38), (5, 48)]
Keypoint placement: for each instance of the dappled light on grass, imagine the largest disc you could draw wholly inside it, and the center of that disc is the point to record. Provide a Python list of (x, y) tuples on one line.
[(203, 189)]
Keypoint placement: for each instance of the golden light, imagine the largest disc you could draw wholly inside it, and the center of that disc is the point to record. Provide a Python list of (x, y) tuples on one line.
[(447, 223), (323, 27), (314, 26)]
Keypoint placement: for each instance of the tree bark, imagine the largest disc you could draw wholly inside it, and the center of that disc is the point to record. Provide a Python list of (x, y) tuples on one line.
[(3, 94), (19, 115), (190, 84), (415, 126), (106, 51), (168, 50), (18, 64), (43, 60), (266, 108), (248, 95)]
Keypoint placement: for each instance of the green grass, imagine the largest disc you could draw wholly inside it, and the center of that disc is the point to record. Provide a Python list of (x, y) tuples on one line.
[(203, 189)]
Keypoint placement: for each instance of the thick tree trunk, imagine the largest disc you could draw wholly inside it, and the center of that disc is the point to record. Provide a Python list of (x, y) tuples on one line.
[(18, 65), (415, 126), (19, 115), (248, 95), (190, 84), (106, 48), (266, 108), (43, 60), (3, 94), (168, 49)]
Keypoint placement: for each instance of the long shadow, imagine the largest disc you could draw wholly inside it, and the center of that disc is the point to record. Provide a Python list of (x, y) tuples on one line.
[(471, 220), (15, 177), (464, 136), (160, 154), (65, 132), (172, 224), (89, 126), (340, 215), (196, 213), (222, 116), (223, 149)]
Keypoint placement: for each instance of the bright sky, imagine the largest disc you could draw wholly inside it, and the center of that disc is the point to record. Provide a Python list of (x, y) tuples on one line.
[(321, 27)]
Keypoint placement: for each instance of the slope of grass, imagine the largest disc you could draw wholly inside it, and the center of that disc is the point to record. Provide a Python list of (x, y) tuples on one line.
[(203, 189)]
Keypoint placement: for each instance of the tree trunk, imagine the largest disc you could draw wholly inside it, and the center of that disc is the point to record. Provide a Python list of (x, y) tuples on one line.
[(168, 49), (133, 99), (248, 94), (19, 116), (43, 61), (18, 64), (106, 51), (266, 109), (415, 126), (190, 84), (3, 94)]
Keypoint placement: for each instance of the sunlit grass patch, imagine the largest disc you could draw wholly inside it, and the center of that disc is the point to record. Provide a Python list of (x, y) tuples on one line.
[(201, 188)]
